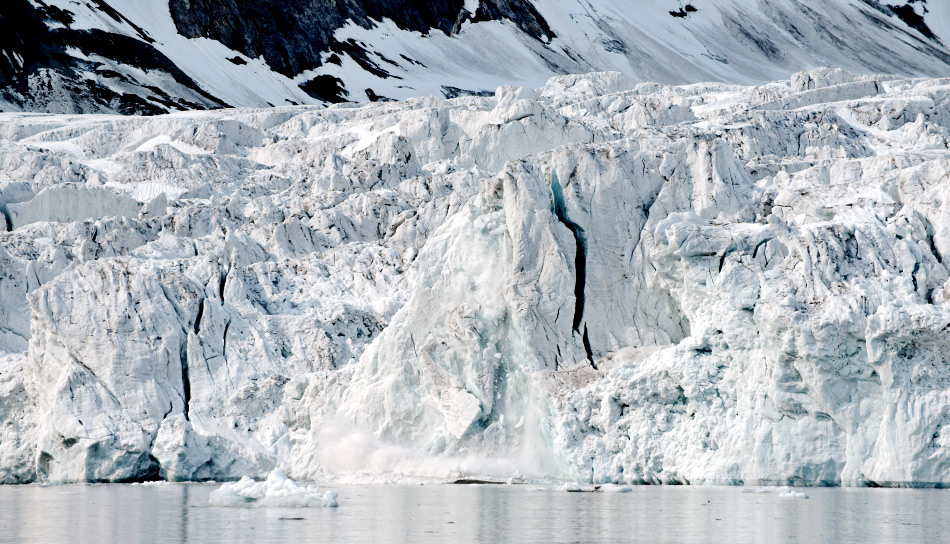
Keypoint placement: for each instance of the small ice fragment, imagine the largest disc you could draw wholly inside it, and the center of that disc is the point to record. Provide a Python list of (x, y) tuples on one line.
[(785, 492), (276, 490), (573, 487), (788, 493), (614, 488)]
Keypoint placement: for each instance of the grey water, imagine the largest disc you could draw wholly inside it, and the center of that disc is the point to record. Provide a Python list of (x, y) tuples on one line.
[(484, 513)]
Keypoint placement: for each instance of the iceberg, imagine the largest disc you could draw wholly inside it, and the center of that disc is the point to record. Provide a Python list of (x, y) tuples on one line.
[(276, 491)]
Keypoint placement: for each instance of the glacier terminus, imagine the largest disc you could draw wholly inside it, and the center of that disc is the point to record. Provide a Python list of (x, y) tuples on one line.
[(595, 280)]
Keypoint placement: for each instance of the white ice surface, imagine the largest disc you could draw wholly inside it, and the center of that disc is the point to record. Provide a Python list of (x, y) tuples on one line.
[(277, 491), (393, 291)]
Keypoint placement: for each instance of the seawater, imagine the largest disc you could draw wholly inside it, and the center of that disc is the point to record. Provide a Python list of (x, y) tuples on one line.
[(476, 513)]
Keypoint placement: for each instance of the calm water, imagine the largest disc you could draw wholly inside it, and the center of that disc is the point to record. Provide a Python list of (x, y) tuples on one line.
[(496, 513)]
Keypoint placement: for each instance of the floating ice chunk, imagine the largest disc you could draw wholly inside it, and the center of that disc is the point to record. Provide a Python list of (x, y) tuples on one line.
[(789, 493), (785, 492), (573, 487), (614, 488), (277, 490), (763, 489)]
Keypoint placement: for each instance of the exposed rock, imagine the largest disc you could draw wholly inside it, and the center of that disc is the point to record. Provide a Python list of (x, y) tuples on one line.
[(136, 57)]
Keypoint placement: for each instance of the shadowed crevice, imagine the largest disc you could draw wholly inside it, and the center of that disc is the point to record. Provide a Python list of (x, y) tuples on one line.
[(580, 260)]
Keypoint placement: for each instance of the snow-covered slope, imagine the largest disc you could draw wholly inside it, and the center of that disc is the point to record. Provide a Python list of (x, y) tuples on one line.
[(145, 56), (594, 280)]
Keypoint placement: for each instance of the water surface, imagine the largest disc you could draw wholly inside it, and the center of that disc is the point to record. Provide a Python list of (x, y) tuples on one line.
[(487, 513)]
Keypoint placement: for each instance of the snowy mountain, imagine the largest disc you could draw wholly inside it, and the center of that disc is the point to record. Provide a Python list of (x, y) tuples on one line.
[(594, 280), (146, 56)]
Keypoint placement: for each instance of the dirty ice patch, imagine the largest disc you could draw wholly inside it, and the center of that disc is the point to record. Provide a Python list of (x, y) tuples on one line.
[(277, 491)]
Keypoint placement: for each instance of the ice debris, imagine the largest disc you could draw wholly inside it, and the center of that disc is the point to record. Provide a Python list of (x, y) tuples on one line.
[(574, 487), (786, 492), (277, 490)]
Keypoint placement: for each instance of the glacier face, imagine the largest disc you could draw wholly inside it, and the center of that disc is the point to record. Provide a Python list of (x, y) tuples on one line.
[(594, 280)]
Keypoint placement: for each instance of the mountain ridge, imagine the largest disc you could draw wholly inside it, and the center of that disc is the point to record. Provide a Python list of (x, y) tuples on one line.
[(139, 57)]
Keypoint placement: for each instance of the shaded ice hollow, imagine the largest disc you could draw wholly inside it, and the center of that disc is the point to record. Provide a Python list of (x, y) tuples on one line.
[(591, 281)]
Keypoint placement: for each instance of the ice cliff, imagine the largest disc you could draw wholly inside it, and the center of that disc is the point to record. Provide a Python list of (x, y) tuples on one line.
[(595, 281)]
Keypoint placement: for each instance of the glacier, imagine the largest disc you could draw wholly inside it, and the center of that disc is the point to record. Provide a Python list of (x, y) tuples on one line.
[(594, 281)]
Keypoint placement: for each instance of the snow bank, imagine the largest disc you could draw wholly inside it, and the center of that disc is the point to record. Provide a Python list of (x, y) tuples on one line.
[(276, 491)]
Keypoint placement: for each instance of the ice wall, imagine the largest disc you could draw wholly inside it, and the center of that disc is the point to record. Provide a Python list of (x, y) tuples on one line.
[(704, 284)]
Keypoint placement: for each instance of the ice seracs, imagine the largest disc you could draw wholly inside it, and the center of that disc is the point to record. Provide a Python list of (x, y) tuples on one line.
[(596, 281)]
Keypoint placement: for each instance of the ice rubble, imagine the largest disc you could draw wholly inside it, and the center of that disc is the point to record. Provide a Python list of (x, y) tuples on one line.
[(276, 491), (704, 284), (784, 492)]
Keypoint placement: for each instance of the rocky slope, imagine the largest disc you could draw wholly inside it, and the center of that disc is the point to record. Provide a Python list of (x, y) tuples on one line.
[(146, 57), (593, 280)]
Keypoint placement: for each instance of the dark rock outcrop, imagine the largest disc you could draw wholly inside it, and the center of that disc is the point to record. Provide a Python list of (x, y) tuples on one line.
[(37, 71), (291, 35)]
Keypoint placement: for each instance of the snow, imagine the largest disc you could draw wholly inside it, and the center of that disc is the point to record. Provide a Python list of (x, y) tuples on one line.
[(725, 40), (938, 20), (277, 491), (596, 281), (471, 6)]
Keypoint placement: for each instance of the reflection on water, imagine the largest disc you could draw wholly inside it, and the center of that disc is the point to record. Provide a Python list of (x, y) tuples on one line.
[(495, 513)]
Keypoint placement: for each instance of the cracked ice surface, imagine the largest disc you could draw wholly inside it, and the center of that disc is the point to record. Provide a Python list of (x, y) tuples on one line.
[(598, 283)]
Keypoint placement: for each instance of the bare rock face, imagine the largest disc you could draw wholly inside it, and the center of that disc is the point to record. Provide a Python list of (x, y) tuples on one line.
[(593, 280), (292, 36), (53, 60)]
